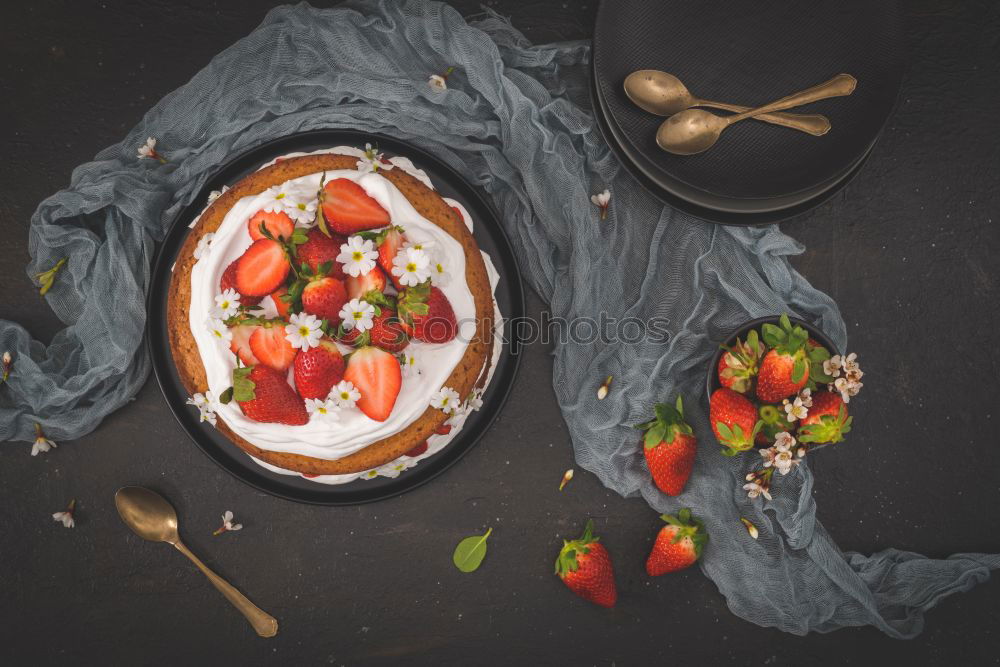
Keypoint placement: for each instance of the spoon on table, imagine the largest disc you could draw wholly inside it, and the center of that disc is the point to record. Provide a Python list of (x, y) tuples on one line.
[(692, 131), (152, 518), (663, 94)]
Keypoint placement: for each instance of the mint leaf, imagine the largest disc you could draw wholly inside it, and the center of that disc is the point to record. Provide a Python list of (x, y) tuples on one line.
[(470, 552)]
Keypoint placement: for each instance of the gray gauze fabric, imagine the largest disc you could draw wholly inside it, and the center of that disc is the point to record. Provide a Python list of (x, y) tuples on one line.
[(516, 121)]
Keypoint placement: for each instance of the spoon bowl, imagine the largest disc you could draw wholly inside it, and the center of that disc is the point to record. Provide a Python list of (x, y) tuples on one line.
[(148, 514)]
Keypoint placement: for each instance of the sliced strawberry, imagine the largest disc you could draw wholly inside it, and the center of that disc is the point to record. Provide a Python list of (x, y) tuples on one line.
[(324, 298), (283, 307), (278, 224), (318, 368), (427, 314), (240, 343), (320, 249), (262, 268), (375, 373), (373, 280), (392, 241), (274, 399), (348, 209), (418, 450), (228, 281), (269, 345), (386, 333)]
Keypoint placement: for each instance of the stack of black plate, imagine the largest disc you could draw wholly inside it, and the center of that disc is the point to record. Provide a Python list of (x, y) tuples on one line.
[(749, 53)]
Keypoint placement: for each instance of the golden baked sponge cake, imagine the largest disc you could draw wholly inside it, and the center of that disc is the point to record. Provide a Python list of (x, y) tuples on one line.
[(332, 315)]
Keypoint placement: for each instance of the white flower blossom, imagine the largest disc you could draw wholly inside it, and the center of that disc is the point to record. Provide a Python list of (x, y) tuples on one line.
[(426, 246), (784, 441), (754, 489), (357, 314), (358, 256), (852, 371), (325, 409), (279, 198), (783, 462), (215, 194), (411, 266), (806, 395), (206, 404), (371, 161), (601, 201), (409, 364), (219, 330), (227, 524), (303, 331), (148, 149), (795, 409), (204, 245), (439, 275), (227, 304), (41, 444), (847, 388), (437, 82), (345, 394), (66, 516), (475, 401), (446, 400), (303, 212), (832, 366)]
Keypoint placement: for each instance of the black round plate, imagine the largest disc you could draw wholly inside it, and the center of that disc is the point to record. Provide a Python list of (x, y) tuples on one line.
[(509, 295), (667, 191), (751, 53)]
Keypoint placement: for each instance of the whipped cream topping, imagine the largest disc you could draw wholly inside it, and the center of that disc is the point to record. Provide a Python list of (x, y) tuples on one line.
[(354, 430)]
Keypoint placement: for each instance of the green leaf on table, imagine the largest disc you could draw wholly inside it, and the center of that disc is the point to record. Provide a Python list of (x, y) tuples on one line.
[(470, 552)]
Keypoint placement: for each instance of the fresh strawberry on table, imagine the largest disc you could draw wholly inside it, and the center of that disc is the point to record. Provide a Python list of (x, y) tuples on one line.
[(427, 314), (270, 347), (374, 280), (268, 397), (346, 208), (323, 297), (584, 565), (827, 421), (318, 369), (670, 447), (277, 223), (319, 249), (734, 420), (678, 544), (738, 365), (228, 281), (785, 368), (262, 268), (376, 375)]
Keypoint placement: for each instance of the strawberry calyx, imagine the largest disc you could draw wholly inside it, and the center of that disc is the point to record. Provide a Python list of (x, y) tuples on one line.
[(735, 439), (669, 422), (741, 361), (829, 429), (789, 340), (378, 237), (566, 561), (413, 301), (687, 526)]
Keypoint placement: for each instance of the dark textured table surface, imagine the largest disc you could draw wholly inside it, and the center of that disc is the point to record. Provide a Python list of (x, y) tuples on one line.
[(908, 250)]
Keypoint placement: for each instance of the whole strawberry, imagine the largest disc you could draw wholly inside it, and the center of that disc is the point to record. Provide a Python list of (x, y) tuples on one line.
[(827, 421), (585, 567), (785, 368), (678, 544), (734, 420), (738, 365), (426, 314), (265, 396), (317, 369), (670, 447)]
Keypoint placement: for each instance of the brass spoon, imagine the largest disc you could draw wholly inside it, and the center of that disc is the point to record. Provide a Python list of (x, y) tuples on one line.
[(152, 518), (692, 131), (663, 94)]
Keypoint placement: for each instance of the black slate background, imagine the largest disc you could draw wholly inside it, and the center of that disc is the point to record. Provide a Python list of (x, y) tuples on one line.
[(908, 250)]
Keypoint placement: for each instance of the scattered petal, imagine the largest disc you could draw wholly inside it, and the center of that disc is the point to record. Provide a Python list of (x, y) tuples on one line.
[(567, 476)]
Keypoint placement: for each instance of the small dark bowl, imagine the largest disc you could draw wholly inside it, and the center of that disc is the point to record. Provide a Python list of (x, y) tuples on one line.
[(712, 381)]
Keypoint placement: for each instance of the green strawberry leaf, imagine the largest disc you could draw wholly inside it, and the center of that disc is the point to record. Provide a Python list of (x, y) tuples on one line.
[(773, 336), (470, 552), (243, 386), (819, 354), (799, 370), (226, 396)]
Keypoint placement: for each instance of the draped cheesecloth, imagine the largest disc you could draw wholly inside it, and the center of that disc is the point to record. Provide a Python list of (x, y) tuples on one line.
[(516, 121)]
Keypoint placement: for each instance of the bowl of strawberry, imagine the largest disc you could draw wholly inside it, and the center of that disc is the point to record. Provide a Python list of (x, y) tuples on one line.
[(778, 384)]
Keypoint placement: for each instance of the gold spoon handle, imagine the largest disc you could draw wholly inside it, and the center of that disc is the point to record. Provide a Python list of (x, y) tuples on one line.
[(838, 86), (265, 624), (812, 123)]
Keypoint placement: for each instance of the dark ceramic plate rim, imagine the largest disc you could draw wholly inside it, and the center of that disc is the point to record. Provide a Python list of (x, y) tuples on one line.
[(236, 462), (693, 208), (712, 378), (846, 174)]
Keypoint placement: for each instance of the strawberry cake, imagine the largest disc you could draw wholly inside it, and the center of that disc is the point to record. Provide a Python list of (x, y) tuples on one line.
[(332, 315)]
